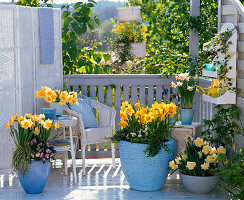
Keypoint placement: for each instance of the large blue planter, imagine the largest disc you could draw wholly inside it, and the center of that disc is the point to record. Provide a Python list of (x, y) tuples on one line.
[(145, 173), (36, 177), (186, 116)]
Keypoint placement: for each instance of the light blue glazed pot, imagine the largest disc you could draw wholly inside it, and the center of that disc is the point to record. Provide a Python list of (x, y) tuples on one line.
[(49, 113), (145, 173), (186, 116), (59, 109), (35, 179)]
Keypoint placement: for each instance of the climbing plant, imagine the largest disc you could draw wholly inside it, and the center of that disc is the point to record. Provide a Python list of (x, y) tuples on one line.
[(34, 3), (169, 23)]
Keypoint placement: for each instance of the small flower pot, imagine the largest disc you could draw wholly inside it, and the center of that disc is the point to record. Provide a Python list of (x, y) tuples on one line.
[(199, 184), (186, 116), (49, 113), (59, 109), (145, 173), (129, 13), (137, 49), (35, 179)]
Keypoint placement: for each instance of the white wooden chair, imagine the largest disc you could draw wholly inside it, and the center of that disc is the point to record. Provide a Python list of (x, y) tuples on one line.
[(95, 135)]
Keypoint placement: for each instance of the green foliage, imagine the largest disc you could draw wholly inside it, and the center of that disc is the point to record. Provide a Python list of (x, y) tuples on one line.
[(233, 173), (34, 3), (224, 125), (78, 57), (169, 23)]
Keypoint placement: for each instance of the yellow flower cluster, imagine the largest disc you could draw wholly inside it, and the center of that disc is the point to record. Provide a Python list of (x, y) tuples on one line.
[(32, 122), (144, 114), (207, 155), (62, 97), (133, 32)]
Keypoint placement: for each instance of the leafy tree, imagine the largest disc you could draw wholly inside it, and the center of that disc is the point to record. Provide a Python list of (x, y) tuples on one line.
[(169, 23), (34, 3)]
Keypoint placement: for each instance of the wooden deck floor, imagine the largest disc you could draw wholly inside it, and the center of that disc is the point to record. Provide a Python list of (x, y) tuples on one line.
[(101, 182)]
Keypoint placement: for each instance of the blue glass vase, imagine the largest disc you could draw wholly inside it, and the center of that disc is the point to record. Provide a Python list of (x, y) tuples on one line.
[(186, 116), (59, 109), (35, 179)]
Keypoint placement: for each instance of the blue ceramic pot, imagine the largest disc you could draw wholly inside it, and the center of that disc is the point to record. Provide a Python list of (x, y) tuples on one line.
[(59, 109), (48, 112), (145, 173), (186, 116), (36, 177)]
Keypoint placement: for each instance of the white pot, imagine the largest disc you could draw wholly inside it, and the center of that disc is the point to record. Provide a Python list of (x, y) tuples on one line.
[(137, 50), (199, 184), (129, 13)]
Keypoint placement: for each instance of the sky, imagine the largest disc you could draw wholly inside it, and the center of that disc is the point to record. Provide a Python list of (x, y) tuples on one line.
[(61, 1)]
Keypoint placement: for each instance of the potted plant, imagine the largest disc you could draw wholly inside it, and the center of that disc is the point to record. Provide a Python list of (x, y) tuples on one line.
[(145, 144), (130, 41), (32, 155), (198, 166), (56, 98), (186, 88)]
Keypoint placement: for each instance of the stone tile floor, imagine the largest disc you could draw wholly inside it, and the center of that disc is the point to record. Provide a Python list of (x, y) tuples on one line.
[(102, 182)]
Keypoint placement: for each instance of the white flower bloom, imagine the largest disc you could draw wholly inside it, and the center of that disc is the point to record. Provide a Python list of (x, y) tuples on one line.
[(179, 84), (190, 88), (173, 85), (133, 134)]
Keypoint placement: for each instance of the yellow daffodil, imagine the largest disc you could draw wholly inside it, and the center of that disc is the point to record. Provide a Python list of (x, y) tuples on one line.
[(222, 150), (26, 123), (47, 124), (200, 154), (177, 160), (190, 165), (184, 157), (37, 130), (206, 149), (123, 123), (137, 105), (205, 166), (56, 125), (7, 125), (172, 165), (213, 151), (199, 142)]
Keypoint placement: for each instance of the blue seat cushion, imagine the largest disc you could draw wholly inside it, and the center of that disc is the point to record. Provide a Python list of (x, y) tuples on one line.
[(83, 107)]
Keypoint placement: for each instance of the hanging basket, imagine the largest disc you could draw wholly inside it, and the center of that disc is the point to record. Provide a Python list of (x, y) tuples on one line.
[(129, 13)]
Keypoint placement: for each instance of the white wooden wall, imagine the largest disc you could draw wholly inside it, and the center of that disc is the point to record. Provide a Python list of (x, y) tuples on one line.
[(233, 11), (20, 70)]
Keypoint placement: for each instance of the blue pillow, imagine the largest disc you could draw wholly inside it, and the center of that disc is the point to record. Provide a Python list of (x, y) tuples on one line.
[(83, 107)]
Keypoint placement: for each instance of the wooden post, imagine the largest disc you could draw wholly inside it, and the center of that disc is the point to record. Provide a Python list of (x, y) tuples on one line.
[(194, 38)]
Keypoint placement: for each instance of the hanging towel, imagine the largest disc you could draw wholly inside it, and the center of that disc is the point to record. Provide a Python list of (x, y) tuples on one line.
[(46, 35)]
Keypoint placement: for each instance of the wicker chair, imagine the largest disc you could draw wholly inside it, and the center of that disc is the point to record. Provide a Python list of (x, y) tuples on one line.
[(95, 135)]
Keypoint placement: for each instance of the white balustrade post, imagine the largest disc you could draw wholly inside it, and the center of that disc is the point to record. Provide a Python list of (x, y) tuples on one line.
[(194, 37)]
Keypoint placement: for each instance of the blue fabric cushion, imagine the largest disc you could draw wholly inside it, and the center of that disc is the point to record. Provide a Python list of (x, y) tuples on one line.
[(83, 106)]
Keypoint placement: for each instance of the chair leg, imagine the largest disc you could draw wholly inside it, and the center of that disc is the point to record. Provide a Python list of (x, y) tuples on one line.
[(113, 155), (74, 164), (65, 163), (84, 159)]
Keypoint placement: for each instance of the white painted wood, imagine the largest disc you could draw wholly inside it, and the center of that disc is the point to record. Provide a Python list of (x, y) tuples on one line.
[(240, 46), (142, 96), (93, 91), (150, 94), (159, 93), (240, 64), (84, 90), (109, 96), (134, 94), (101, 93), (125, 93), (228, 10)]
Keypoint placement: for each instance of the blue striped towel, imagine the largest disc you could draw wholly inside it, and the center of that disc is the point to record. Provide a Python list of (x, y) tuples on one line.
[(46, 35)]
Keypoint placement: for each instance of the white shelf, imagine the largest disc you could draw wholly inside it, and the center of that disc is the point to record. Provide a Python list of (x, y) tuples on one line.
[(207, 73), (226, 98)]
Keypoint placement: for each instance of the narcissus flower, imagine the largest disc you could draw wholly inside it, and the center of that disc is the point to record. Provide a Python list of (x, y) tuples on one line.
[(206, 149), (190, 165), (56, 125), (37, 130), (205, 166), (221, 149), (172, 165), (47, 124), (198, 142)]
